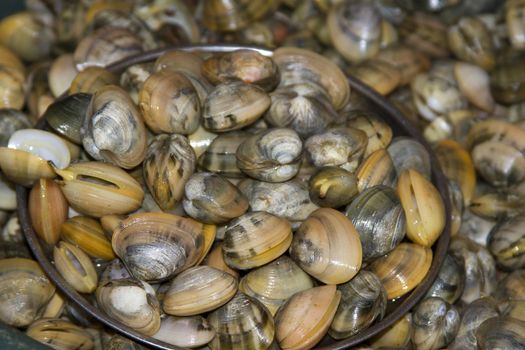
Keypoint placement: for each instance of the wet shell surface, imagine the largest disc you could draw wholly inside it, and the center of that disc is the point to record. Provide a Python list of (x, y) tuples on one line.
[(187, 332), (156, 246), (305, 318), (450, 281), (242, 323), (254, 239), (276, 282), (506, 242), (60, 334), (327, 246), (197, 290), (402, 269), (76, 267), (87, 234)]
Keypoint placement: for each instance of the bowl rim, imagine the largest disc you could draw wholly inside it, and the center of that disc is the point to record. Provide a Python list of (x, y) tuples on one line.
[(393, 115)]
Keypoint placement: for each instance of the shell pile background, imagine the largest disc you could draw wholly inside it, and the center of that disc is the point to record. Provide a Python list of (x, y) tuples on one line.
[(237, 201)]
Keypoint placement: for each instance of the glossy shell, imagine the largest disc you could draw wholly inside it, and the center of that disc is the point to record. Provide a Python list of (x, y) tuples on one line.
[(327, 246), (506, 242), (450, 281), (187, 332), (332, 187), (87, 234), (378, 217), (67, 115), (402, 269), (76, 267), (501, 333), (60, 334)]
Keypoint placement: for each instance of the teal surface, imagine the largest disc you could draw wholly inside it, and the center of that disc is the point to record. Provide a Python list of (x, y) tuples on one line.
[(8, 7), (13, 339)]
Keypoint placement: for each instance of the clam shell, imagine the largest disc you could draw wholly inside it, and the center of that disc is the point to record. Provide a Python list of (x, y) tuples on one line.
[(408, 61), (327, 246), (220, 156), (25, 291), (363, 300), (450, 281), (49, 209), (474, 83), (243, 323), (220, 15), (60, 334), (171, 158), (169, 103), (132, 303), (396, 336), (436, 324), (215, 259), (61, 74), (512, 287), (378, 132), (92, 79), (407, 153), (111, 190), (276, 282), (11, 120), (113, 129), (87, 234), (254, 239), (43, 144), (501, 333), (7, 195), (507, 82), (157, 246), (498, 205), (471, 40), (332, 187), (24, 168), (187, 332), (402, 269), (423, 206), (75, 267), (506, 242), (305, 318), (381, 76), (378, 217), (66, 116), (377, 169), (289, 200), (425, 33), (210, 198), (197, 290)]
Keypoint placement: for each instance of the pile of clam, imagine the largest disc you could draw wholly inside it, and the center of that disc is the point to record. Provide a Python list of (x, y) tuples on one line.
[(239, 201)]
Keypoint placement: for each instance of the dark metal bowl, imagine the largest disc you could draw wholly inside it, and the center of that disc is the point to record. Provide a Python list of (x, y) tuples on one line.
[(390, 114)]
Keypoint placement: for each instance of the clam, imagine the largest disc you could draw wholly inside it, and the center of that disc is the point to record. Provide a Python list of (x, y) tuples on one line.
[(498, 205), (355, 29), (7, 195), (436, 324), (377, 130), (200, 140), (457, 165), (396, 336), (474, 83), (133, 78), (169, 103), (25, 291), (363, 300), (302, 106), (305, 318), (475, 227), (210, 198), (118, 342), (512, 287), (378, 217), (113, 129), (472, 316), (190, 65), (408, 61), (507, 82), (254, 239), (332, 187), (224, 16), (233, 105), (423, 206), (75, 267), (66, 116), (61, 74), (501, 333), (105, 46), (11, 120), (513, 12), (480, 268), (243, 323), (402, 269), (425, 33), (157, 246), (220, 156), (314, 69), (111, 190), (132, 303), (170, 158), (91, 79), (87, 234), (248, 66), (471, 41), (381, 76), (407, 153), (60, 334), (186, 332), (276, 282), (55, 307), (48, 209), (115, 270), (11, 88), (327, 246), (289, 200), (506, 242), (272, 155), (376, 169), (342, 147), (197, 290), (450, 281), (10, 59), (27, 35), (436, 94)]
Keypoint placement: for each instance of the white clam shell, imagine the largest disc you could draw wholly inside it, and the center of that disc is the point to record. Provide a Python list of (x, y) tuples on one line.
[(43, 144)]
